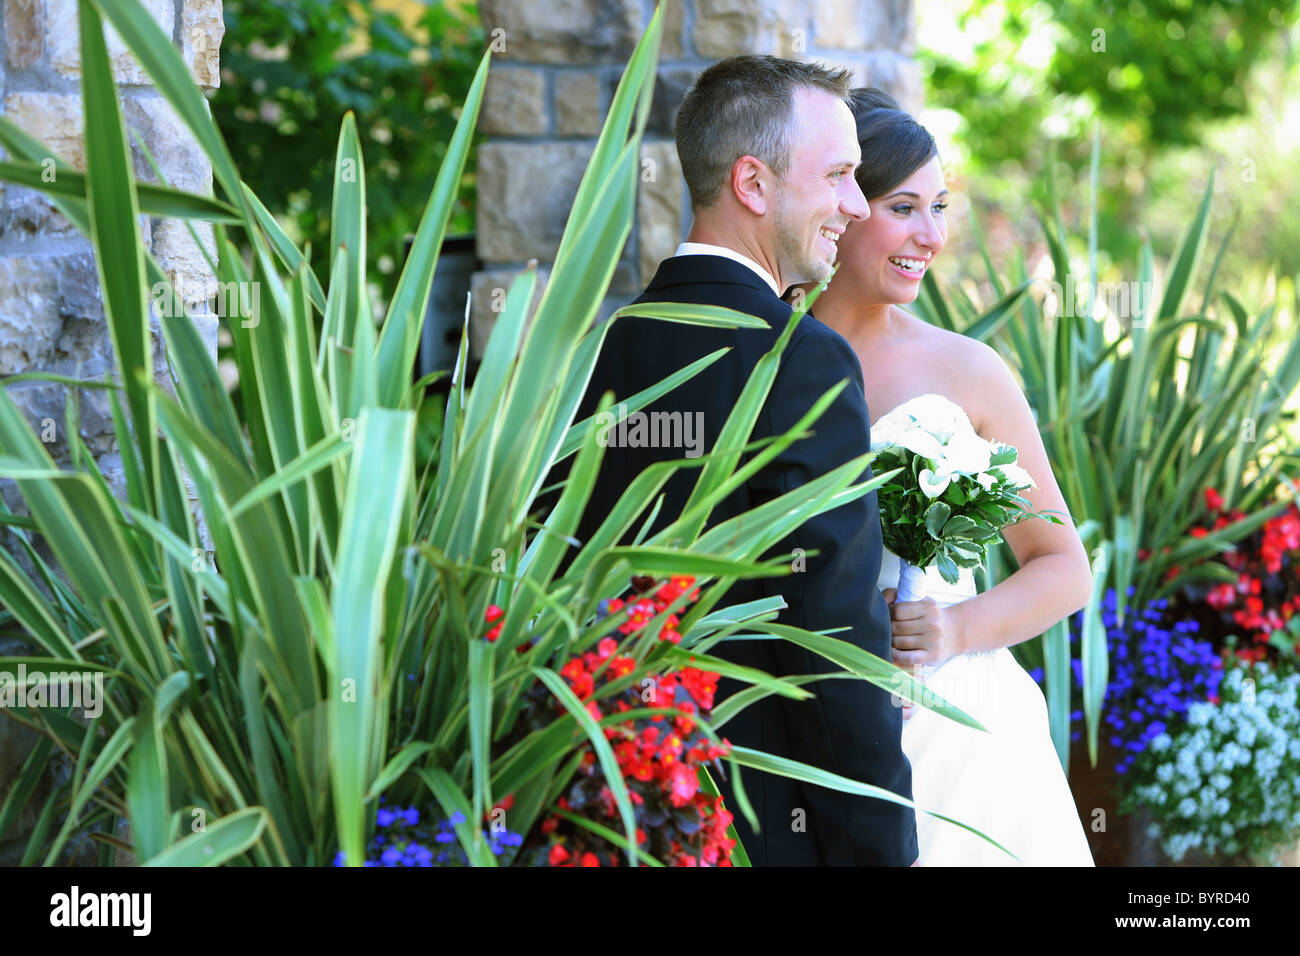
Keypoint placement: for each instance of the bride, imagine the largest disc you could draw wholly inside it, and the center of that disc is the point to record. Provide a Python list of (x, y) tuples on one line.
[(1007, 783)]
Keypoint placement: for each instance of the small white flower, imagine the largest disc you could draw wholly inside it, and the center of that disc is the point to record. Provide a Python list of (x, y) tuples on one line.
[(931, 484), (940, 416), (886, 432), (966, 453), (1017, 476), (986, 480), (921, 442)]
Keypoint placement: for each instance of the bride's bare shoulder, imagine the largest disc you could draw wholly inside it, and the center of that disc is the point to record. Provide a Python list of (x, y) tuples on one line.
[(964, 356), (975, 373)]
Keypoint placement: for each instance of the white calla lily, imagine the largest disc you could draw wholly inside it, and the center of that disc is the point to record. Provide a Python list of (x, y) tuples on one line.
[(1018, 476), (932, 485), (966, 453), (921, 442)]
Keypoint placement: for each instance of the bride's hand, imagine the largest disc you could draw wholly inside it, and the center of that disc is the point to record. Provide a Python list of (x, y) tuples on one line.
[(923, 632)]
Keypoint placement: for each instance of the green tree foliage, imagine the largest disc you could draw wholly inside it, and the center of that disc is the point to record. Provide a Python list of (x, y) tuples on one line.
[(1167, 66), (290, 71), (1159, 69), (1176, 88)]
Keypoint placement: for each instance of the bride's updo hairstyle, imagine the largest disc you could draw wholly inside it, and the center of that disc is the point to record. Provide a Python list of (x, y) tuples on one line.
[(894, 145)]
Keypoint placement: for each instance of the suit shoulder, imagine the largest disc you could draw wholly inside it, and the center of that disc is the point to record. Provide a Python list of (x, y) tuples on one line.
[(818, 339)]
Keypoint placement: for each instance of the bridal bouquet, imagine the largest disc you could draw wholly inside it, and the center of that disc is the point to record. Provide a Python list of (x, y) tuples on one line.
[(954, 494)]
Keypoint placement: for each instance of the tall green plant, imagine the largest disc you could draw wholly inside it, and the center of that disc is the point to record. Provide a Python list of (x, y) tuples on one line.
[(260, 699), (1138, 423)]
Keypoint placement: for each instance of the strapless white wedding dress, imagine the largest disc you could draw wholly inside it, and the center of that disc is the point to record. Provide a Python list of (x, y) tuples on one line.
[(1007, 783)]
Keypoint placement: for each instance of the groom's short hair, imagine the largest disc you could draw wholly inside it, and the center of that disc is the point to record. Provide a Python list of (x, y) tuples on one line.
[(744, 106)]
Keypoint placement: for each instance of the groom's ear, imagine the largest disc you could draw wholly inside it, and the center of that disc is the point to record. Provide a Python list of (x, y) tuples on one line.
[(751, 184)]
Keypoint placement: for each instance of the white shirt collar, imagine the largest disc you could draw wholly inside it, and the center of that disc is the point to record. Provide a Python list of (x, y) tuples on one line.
[(706, 249)]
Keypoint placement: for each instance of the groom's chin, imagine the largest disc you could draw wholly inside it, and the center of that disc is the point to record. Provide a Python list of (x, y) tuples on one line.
[(814, 273)]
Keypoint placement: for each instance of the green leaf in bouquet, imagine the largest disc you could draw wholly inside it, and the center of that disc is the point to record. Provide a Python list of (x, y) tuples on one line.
[(947, 568), (954, 495), (959, 525), (936, 516), (1003, 454), (966, 553)]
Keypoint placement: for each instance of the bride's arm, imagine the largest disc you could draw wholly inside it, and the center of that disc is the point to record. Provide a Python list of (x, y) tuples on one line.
[(1054, 579)]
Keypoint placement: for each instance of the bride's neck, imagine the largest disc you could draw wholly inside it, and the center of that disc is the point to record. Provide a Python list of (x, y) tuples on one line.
[(850, 316)]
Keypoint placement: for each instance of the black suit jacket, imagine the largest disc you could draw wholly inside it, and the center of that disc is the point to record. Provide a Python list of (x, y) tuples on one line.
[(850, 728)]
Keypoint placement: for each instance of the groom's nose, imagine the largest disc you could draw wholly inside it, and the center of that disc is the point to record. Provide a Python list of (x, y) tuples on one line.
[(852, 202)]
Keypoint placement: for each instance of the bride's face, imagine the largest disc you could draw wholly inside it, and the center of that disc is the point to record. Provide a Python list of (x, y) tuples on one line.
[(890, 252)]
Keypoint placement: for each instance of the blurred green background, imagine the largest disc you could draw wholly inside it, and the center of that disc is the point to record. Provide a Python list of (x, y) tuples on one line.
[(289, 73), (1014, 90), (1176, 88)]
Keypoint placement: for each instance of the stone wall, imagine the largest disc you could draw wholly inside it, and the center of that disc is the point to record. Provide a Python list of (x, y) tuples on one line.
[(555, 67), (51, 309)]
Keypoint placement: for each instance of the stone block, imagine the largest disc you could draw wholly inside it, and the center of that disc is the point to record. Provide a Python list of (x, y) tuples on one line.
[(514, 103), (672, 46), (63, 40), (183, 163), (85, 348), (562, 31), (53, 118), (24, 32), (29, 321), (857, 25), (42, 404), (525, 193), (659, 209), (731, 27), (671, 85), (488, 292), (895, 73), (579, 103), (183, 262), (202, 29)]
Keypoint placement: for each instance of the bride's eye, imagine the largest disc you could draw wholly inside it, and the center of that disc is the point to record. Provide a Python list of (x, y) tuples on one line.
[(940, 206), (903, 209)]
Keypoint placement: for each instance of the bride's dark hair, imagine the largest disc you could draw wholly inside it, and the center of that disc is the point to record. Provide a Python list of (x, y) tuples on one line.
[(894, 145)]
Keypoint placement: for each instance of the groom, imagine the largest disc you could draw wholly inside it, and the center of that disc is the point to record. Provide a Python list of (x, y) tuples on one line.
[(768, 148)]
